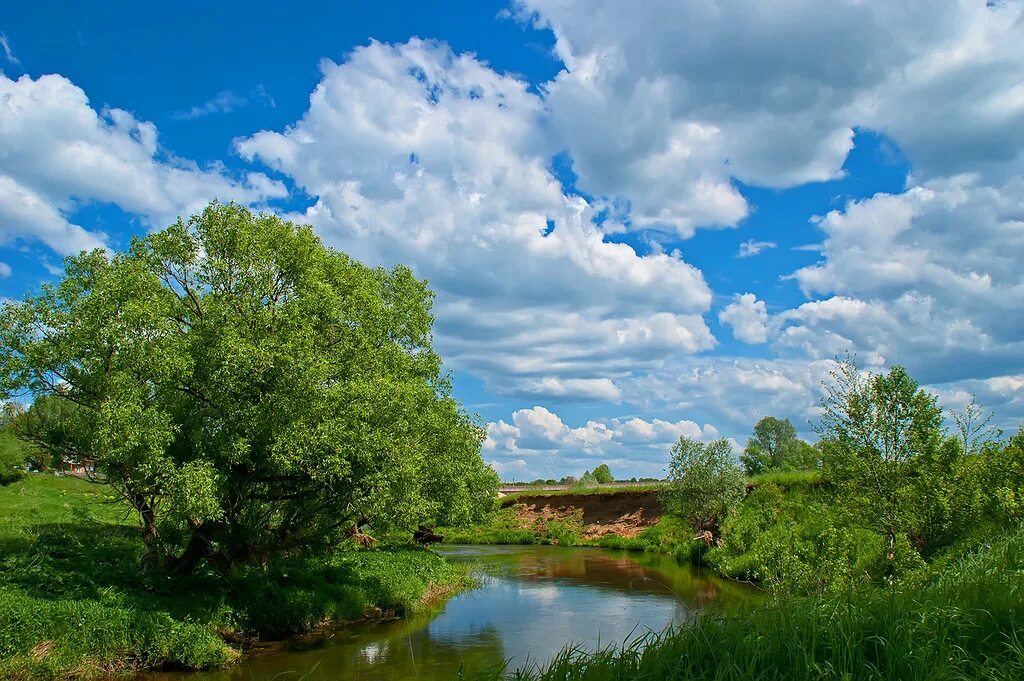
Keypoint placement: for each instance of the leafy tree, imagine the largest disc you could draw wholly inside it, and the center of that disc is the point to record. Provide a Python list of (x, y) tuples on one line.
[(603, 474), (248, 390), (883, 440), (705, 485), (59, 430), (774, 446)]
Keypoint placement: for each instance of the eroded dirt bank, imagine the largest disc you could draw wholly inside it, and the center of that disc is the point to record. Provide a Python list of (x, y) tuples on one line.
[(624, 513)]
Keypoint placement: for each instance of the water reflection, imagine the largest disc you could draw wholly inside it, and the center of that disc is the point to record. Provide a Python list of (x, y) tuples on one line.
[(532, 601)]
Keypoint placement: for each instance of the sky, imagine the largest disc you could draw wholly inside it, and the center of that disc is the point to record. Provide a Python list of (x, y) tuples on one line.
[(641, 220)]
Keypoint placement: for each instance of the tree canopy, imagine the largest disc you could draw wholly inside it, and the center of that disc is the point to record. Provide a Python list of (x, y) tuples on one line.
[(774, 446), (249, 390), (705, 484)]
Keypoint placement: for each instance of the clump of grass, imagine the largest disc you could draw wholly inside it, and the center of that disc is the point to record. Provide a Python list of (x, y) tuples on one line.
[(963, 622), (505, 527), (669, 535), (73, 602)]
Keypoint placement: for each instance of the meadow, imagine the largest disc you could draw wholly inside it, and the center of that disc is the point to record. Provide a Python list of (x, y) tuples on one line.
[(73, 602)]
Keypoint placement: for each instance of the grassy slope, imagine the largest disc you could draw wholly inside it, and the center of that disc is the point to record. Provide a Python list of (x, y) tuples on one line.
[(962, 621), (73, 602)]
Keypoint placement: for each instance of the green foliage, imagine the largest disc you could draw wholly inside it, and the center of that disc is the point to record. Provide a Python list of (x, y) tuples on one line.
[(786, 479), (669, 535), (13, 456), (1001, 472), (884, 449), (774, 446), (705, 486), (603, 474), (505, 527), (73, 603), (963, 622), (247, 390)]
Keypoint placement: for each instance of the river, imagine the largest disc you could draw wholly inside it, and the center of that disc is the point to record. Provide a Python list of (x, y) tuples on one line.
[(531, 602)]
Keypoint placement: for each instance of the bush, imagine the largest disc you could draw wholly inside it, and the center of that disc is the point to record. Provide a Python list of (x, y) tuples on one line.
[(963, 622)]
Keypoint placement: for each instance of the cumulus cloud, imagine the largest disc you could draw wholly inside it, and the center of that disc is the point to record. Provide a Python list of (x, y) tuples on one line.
[(419, 155), (748, 318), (665, 102), (59, 153), (5, 270), (545, 444), (929, 278)]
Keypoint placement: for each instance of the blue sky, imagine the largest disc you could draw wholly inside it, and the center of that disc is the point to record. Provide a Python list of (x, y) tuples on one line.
[(641, 221)]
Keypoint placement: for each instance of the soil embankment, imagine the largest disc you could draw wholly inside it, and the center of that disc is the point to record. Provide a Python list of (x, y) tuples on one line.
[(623, 513)]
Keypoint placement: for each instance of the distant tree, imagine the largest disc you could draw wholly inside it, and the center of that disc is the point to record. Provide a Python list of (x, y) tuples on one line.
[(603, 474), (568, 480), (705, 485), (769, 446), (248, 390), (588, 479)]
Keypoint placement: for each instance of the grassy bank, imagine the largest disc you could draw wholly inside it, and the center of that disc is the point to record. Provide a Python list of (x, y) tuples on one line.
[(74, 603), (964, 620)]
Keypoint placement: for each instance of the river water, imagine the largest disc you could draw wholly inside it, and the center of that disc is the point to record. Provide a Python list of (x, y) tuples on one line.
[(532, 601)]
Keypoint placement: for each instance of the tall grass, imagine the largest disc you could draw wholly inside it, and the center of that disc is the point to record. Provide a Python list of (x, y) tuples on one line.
[(963, 622)]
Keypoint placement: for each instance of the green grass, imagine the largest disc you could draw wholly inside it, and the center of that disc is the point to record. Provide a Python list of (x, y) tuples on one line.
[(669, 535), (73, 602), (786, 479), (511, 498), (503, 527), (965, 621)]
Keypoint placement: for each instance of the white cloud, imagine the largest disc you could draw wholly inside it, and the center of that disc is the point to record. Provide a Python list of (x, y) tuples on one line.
[(750, 248), (224, 102), (748, 318), (5, 270), (59, 153), (929, 278), (5, 44), (662, 103), (539, 441), (418, 155)]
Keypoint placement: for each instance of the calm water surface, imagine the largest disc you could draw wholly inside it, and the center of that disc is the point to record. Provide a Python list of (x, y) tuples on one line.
[(532, 601)]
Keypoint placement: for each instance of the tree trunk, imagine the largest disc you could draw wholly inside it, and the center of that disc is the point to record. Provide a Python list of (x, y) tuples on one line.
[(149, 534), (197, 550)]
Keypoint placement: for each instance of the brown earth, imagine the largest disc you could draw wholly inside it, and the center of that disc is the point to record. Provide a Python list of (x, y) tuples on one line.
[(625, 513)]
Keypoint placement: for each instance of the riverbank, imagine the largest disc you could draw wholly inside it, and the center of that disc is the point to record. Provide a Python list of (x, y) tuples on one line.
[(610, 517), (963, 619), (613, 518), (73, 603)]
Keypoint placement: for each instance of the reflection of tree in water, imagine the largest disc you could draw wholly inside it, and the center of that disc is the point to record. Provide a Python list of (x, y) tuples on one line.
[(627, 572)]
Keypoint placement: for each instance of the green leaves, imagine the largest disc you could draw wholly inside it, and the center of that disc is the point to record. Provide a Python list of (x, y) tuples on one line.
[(238, 377), (705, 485)]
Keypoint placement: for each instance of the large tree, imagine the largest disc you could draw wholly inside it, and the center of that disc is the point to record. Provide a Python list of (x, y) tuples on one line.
[(250, 391)]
